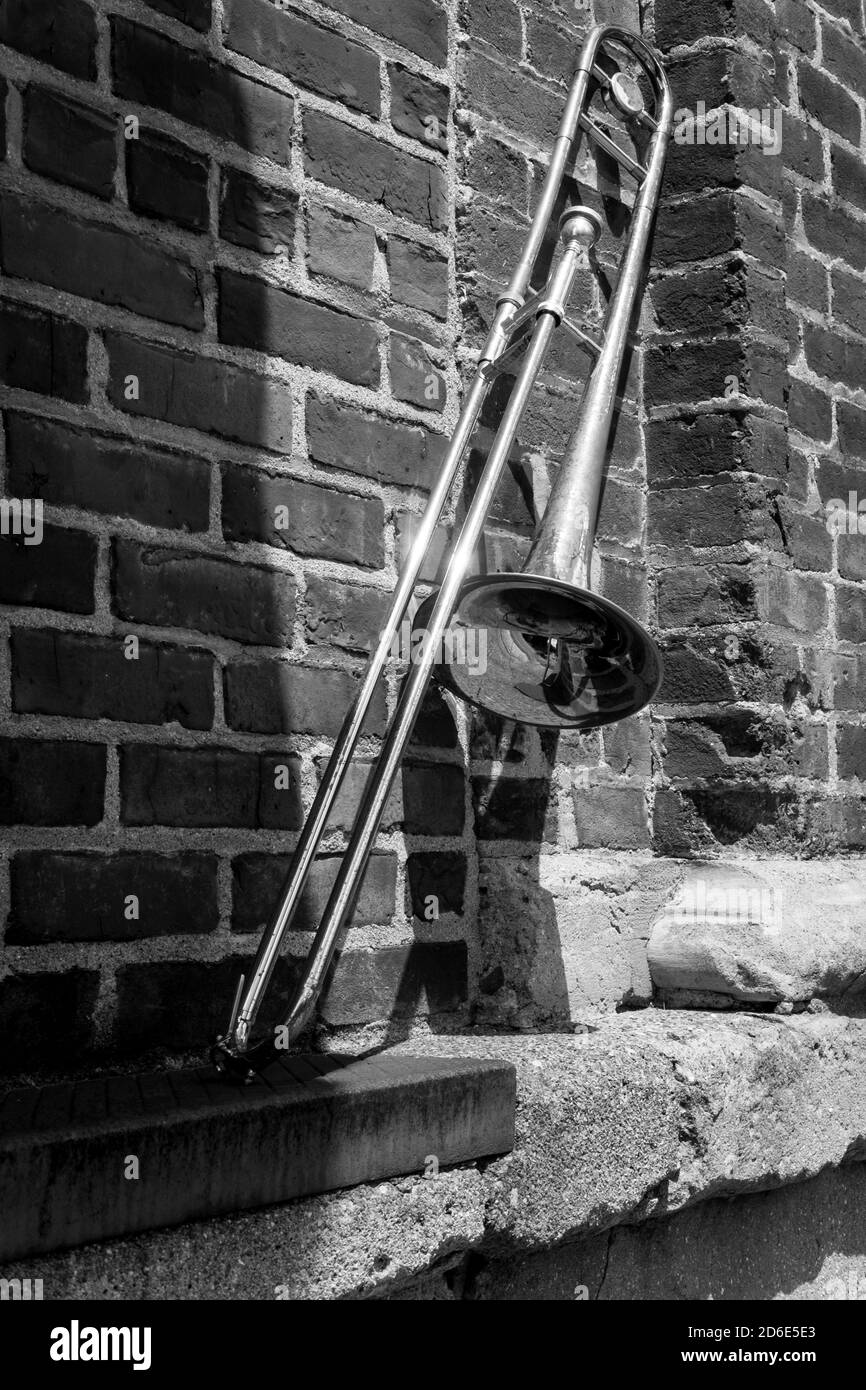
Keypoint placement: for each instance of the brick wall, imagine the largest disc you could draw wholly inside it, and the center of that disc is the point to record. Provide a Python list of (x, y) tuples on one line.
[(249, 249)]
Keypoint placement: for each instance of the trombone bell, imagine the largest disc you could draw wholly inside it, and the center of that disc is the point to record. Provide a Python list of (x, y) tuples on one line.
[(552, 654)]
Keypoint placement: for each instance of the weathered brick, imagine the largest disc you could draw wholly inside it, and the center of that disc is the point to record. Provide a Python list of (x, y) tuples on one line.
[(806, 281), (208, 786), (419, 25), (369, 169), (85, 677), (802, 148), (154, 70), (199, 392), (414, 376), (849, 176), (683, 21), (496, 171), (343, 615), (851, 751), (513, 808), (175, 588), (62, 34), (85, 897), (70, 467), (314, 521), (834, 231), (342, 436), (418, 275), (4, 93), (98, 262), (509, 97), (46, 782), (433, 798), (796, 24), (852, 429), (39, 1007), (810, 411), (419, 107), (166, 180), (43, 353), (834, 357), (255, 214), (611, 817), (311, 56), (396, 981), (851, 614), (440, 875), (57, 573), (340, 247), (685, 450), (69, 142), (195, 13), (496, 22), (695, 230), (829, 103), (552, 46), (258, 879), (348, 799), (843, 58), (798, 602), (704, 595), (701, 371), (255, 315), (807, 540), (274, 697)]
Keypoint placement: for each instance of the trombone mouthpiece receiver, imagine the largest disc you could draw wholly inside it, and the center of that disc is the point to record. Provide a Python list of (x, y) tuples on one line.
[(580, 224)]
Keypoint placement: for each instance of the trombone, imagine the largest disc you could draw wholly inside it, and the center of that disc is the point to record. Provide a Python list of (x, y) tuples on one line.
[(558, 655)]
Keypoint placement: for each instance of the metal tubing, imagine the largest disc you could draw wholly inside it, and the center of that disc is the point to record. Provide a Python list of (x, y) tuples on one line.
[(234, 1052)]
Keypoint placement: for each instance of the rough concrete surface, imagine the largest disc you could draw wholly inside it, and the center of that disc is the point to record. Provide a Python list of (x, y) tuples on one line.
[(652, 1113)]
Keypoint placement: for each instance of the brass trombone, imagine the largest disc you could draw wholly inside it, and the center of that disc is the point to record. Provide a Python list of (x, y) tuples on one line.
[(558, 655)]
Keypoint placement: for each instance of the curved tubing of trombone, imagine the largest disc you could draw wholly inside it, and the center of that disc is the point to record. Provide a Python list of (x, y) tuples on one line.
[(233, 1053)]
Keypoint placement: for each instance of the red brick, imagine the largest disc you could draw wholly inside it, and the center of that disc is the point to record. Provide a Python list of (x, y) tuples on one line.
[(395, 982), (154, 70), (255, 315), (51, 783), (258, 879), (69, 142), (419, 107), (834, 357), (496, 22), (85, 677), (834, 232), (333, 525), (377, 173), (438, 874), (201, 393), (255, 214), (851, 751), (82, 897), (58, 573), (168, 181), (419, 276), (419, 25), (98, 262), (433, 797), (513, 808), (43, 353), (509, 97), (414, 376), (175, 588), (38, 1008), (207, 787), (344, 437), (79, 468), (810, 411), (849, 176), (273, 697), (341, 615), (843, 58), (611, 817), (195, 13), (62, 34), (340, 247), (312, 57)]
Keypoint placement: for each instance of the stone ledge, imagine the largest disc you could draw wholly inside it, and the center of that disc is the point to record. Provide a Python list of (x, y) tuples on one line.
[(653, 1113)]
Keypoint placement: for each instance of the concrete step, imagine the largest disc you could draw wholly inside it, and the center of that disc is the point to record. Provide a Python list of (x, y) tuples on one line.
[(117, 1155)]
